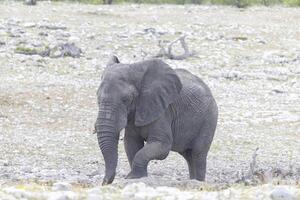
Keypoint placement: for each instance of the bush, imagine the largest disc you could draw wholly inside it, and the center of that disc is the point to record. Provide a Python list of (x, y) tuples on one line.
[(292, 2)]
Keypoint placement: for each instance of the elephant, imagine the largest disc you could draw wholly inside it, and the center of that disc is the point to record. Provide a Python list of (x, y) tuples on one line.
[(162, 110)]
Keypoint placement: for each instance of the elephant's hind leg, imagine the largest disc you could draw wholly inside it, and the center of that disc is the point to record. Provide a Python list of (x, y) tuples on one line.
[(203, 142), (196, 163), (188, 157), (199, 165)]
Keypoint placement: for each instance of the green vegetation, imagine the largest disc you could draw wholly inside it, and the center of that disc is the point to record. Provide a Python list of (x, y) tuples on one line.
[(43, 51), (25, 50), (292, 2), (238, 3)]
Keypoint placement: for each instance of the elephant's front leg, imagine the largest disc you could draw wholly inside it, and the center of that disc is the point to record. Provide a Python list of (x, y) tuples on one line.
[(151, 151), (133, 143)]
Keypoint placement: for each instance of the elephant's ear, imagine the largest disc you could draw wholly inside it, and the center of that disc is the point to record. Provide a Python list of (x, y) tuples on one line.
[(159, 87), (113, 60)]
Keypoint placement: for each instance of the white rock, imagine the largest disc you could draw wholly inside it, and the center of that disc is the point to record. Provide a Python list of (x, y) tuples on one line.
[(94, 194), (5, 162), (137, 191), (48, 173), (61, 186), (74, 40), (74, 64), (94, 173), (62, 196), (281, 193), (56, 53), (26, 169), (17, 193), (94, 197), (29, 25)]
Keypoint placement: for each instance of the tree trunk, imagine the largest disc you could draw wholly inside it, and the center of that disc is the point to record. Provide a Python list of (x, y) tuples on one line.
[(107, 2)]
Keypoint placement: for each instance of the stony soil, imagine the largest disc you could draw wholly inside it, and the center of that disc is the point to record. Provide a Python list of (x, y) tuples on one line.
[(249, 57)]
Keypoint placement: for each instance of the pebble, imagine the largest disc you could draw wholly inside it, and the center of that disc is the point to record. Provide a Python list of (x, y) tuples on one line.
[(62, 34), (48, 173), (139, 191), (55, 53), (6, 163), (52, 26), (232, 75), (281, 193), (27, 169), (74, 40), (17, 193), (95, 173), (29, 24), (62, 196), (62, 186), (94, 194)]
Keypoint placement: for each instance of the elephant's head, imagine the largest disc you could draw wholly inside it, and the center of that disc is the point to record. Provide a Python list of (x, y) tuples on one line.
[(142, 91)]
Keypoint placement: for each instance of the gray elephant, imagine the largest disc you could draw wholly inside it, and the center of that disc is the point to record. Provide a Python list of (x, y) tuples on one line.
[(161, 110)]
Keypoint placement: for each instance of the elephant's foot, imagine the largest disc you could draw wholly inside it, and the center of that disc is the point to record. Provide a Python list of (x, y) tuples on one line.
[(137, 172), (108, 179), (133, 175)]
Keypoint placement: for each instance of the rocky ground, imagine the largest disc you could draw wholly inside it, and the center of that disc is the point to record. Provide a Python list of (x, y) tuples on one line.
[(51, 59)]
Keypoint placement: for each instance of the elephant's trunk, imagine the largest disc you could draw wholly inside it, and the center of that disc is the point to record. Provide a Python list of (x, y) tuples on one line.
[(109, 148), (108, 138)]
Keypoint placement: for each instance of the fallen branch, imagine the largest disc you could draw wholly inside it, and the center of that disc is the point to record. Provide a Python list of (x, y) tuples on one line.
[(253, 163), (168, 53), (249, 177), (257, 175), (60, 50)]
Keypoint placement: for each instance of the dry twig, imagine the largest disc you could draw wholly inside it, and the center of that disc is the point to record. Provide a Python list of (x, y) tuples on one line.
[(253, 162), (249, 177), (168, 53)]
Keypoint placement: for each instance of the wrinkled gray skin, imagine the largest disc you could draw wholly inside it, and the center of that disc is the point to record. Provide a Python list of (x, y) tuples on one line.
[(161, 110)]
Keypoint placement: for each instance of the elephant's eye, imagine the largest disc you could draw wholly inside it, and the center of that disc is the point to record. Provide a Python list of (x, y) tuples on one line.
[(127, 99)]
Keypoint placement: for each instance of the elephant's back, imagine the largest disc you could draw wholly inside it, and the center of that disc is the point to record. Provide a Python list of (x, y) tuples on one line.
[(192, 82)]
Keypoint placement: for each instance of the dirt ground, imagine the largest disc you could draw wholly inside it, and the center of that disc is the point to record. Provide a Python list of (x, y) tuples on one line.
[(250, 58)]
